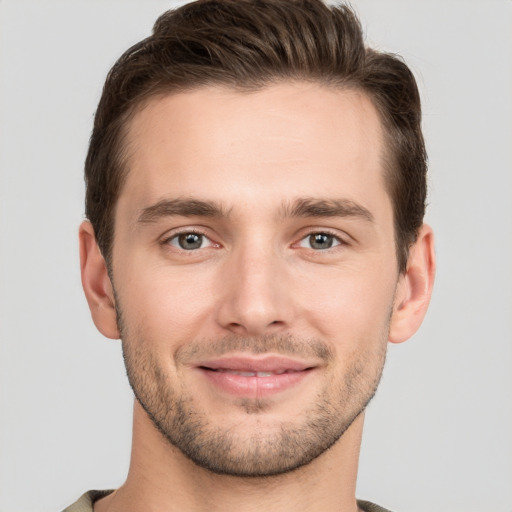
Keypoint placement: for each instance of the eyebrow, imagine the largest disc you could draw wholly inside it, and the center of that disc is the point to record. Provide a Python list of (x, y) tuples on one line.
[(303, 207), (181, 207), (311, 207)]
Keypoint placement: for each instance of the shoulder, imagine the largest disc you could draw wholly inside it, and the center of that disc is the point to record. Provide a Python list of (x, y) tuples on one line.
[(366, 506), (86, 501)]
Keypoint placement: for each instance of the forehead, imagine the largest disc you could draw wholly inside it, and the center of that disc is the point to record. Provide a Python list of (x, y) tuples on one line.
[(286, 140)]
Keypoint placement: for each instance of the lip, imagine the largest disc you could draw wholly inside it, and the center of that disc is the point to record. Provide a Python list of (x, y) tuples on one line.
[(255, 377)]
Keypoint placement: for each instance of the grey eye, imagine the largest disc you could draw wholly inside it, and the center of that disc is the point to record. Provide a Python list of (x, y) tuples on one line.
[(319, 241), (189, 241)]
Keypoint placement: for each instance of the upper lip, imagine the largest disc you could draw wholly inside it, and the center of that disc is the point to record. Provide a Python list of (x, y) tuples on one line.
[(269, 363)]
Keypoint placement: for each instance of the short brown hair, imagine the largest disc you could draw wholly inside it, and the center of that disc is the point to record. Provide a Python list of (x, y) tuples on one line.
[(249, 44)]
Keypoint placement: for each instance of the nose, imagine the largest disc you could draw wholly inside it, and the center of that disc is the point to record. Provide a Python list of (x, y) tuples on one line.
[(255, 299)]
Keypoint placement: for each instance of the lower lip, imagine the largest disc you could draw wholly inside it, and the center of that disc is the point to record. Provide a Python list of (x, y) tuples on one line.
[(254, 386)]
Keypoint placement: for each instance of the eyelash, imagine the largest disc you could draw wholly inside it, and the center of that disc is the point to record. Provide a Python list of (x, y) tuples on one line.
[(175, 236), (334, 239), (337, 240)]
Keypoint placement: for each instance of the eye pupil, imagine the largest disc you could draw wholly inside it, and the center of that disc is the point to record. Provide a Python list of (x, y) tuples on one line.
[(190, 241), (321, 241)]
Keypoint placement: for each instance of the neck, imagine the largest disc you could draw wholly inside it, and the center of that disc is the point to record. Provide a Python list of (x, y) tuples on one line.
[(162, 479)]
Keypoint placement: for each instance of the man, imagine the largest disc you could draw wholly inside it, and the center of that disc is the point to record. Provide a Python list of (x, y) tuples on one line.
[(255, 237)]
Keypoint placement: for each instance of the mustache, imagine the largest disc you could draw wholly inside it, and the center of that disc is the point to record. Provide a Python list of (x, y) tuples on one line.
[(277, 344)]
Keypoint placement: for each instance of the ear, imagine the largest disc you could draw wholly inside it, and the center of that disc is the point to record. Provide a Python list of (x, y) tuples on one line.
[(414, 288), (96, 283)]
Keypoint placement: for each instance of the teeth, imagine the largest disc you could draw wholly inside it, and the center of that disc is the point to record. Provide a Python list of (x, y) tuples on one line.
[(252, 374)]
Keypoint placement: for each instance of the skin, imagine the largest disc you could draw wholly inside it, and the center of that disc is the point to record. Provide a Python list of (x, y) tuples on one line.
[(255, 280)]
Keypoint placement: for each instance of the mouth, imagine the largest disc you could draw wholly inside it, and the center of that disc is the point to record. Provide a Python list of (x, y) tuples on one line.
[(255, 377), (243, 373)]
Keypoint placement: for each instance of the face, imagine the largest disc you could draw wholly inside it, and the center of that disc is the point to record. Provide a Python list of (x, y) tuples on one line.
[(255, 271)]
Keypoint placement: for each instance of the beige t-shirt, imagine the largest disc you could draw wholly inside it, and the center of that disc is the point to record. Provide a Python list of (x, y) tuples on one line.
[(85, 503)]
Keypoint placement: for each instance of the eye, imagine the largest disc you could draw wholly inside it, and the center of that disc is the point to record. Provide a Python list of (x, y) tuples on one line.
[(189, 241), (320, 241)]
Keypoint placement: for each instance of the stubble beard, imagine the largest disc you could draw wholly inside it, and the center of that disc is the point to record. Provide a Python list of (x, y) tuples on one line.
[(224, 449)]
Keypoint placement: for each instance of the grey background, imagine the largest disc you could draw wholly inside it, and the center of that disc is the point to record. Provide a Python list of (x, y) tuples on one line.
[(438, 435)]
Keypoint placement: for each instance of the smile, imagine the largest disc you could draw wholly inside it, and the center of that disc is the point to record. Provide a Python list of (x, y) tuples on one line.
[(251, 374), (255, 377)]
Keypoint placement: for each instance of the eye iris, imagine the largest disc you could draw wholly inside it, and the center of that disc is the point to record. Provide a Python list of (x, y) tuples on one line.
[(189, 241), (321, 241)]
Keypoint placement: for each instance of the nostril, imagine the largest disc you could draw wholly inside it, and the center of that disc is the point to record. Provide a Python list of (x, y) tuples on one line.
[(237, 328)]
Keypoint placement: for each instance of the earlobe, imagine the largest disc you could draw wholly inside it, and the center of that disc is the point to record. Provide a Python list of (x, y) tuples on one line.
[(96, 283), (414, 288)]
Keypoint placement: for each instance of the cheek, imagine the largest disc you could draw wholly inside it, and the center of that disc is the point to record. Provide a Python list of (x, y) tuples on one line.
[(164, 304), (351, 304)]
